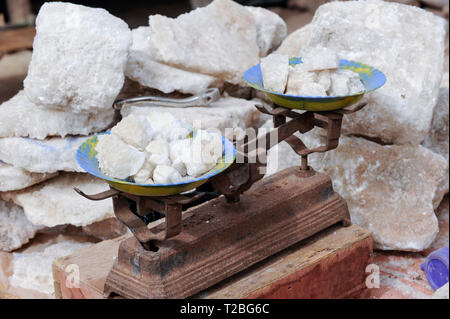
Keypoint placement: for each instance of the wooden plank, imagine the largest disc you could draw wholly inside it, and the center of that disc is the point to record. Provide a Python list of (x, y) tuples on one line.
[(16, 39), (330, 264)]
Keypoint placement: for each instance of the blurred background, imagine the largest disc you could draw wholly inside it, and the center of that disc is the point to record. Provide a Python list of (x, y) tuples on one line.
[(17, 24)]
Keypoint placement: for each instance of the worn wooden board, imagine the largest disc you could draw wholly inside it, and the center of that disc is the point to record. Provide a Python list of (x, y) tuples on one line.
[(16, 39), (330, 264)]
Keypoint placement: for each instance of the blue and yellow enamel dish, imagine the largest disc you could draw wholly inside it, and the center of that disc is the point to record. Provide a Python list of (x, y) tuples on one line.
[(371, 78), (86, 158)]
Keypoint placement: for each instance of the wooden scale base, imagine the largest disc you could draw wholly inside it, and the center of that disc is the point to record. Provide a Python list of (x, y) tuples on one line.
[(220, 239)]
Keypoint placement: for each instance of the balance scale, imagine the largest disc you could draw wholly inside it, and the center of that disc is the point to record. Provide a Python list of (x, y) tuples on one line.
[(251, 220)]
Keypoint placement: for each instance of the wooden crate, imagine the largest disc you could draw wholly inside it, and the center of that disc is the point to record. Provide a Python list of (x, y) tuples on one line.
[(330, 264)]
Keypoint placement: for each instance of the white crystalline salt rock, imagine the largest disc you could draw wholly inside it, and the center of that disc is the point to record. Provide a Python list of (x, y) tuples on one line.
[(15, 229), (438, 138), (179, 152), (219, 39), (390, 190), (324, 79), (180, 166), (54, 202), (42, 156), (295, 42), (275, 70), (143, 67), (134, 130), (19, 117), (388, 37), (270, 29), (345, 82), (318, 58), (164, 174), (79, 58), (15, 178), (205, 151), (227, 112), (33, 270), (144, 175), (303, 83), (158, 151), (168, 127), (116, 158)]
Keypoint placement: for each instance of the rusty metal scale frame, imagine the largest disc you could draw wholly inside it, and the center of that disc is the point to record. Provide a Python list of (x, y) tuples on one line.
[(153, 263)]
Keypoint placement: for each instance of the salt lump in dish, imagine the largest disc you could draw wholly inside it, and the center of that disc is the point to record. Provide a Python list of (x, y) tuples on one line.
[(317, 75), (157, 149), (168, 127), (116, 158), (134, 130)]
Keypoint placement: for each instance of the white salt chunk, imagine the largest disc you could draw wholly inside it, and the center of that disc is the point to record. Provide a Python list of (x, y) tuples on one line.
[(345, 82), (158, 151), (407, 44), (318, 58), (33, 270), (19, 117), (303, 83), (135, 131), (164, 174), (79, 58), (270, 29), (116, 158), (15, 229), (324, 79), (15, 178), (42, 156), (219, 39), (206, 149), (54, 202), (144, 175), (143, 67), (275, 70), (168, 127)]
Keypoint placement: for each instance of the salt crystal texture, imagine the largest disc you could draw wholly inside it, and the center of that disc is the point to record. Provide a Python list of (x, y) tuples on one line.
[(318, 58), (270, 29), (15, 229), (303, 83), (33, 270), (134, 130), (164, 174), (390, 190), (438, 138), (205, 151), (19, 117), (79, 58), (42, 156), (295, 42), (143, 67), (116, 158), (324, 79), (54, 202), (345, 82), (158, 151), (144, 175), (168, 127), (275, 70), (388, 37), (219, 39), (15, 178), (227, 112)]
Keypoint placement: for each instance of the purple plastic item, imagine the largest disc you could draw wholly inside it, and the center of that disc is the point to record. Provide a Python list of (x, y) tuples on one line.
[(436, 268)]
